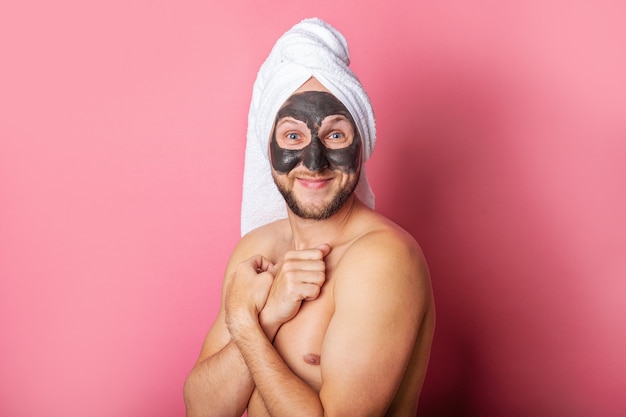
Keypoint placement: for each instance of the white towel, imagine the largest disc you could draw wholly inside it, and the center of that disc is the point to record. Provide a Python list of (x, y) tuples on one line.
[(312, 48)]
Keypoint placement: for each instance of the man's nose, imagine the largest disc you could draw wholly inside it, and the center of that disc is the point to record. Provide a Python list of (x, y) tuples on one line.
[(314, 155)]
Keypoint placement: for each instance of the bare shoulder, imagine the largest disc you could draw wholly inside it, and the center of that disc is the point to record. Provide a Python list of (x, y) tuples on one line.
[(385, 242), (266, 240), (383, 304), (386, 257)]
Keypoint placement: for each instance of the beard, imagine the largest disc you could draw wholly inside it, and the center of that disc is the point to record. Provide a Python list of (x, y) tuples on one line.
[(317, 213)]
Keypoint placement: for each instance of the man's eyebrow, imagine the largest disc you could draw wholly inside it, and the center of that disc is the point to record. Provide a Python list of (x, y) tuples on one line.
[(288, 120), (334, 118)]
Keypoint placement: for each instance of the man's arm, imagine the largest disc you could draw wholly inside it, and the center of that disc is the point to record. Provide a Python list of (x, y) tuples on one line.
[(298, 278), (280, 390), (381, 297), (380, 301), (219, 384)]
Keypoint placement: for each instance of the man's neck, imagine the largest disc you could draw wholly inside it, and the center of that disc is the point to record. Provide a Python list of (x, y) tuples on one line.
[(308, 233)]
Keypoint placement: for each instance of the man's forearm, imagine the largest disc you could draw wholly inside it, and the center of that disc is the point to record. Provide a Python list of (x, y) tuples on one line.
[(220, 385), (283, 393)]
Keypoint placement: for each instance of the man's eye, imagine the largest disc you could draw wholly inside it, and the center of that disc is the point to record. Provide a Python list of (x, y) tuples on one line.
[(336, 135), (293, 136)]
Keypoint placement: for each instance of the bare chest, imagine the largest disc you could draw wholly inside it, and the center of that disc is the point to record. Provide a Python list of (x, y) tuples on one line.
[(299, 341)]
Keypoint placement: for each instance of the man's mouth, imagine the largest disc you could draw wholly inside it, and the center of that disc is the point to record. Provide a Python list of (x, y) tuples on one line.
[(313, 182)]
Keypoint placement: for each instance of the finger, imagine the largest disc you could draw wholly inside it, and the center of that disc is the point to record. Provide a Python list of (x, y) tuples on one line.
[(325, 248), (312, 277), (260, 263), (310, 292), (312, 254), (303, 265), (291, 281)]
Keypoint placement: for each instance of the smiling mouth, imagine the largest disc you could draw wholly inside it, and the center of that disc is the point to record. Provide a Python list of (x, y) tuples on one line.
[(313, 182)]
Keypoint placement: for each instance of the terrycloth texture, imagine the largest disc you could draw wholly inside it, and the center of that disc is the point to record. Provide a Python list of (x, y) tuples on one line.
[(312, 48)]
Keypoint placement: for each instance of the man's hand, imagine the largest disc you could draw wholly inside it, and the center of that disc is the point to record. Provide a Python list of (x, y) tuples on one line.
[(246, 291), (299, 277)]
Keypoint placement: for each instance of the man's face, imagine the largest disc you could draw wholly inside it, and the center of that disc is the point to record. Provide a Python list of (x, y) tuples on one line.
[(315, 151)]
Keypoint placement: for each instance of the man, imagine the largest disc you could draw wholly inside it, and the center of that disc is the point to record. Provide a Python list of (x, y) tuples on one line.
[(329, 311)]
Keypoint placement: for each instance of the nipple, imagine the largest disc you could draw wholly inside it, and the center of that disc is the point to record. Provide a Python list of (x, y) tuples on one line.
[(311, 359)]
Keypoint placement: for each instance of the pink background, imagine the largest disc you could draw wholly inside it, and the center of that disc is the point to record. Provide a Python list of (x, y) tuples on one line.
[(501, 149)]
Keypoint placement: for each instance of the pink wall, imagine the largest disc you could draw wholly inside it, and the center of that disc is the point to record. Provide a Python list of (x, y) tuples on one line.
[(501, 148)]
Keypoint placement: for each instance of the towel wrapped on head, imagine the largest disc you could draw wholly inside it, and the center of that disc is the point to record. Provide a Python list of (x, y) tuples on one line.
[(312, 48)]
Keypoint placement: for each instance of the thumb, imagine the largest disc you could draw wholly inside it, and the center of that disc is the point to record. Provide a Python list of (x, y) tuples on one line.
[(325, 248)]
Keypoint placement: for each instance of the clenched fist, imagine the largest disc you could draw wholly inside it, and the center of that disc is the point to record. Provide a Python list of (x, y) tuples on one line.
[(299, 277), (246, 291)]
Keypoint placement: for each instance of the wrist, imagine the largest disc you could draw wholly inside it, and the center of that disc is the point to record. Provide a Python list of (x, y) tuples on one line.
[(240, 322), (270, 327)]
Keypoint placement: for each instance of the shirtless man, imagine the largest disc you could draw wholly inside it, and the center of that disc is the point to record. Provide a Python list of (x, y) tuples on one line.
[(328, 312)]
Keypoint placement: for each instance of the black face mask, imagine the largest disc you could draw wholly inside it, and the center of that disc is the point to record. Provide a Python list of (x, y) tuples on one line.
[(312, 107)]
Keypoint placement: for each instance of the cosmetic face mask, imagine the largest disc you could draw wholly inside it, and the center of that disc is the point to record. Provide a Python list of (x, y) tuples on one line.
[(312, 108)]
